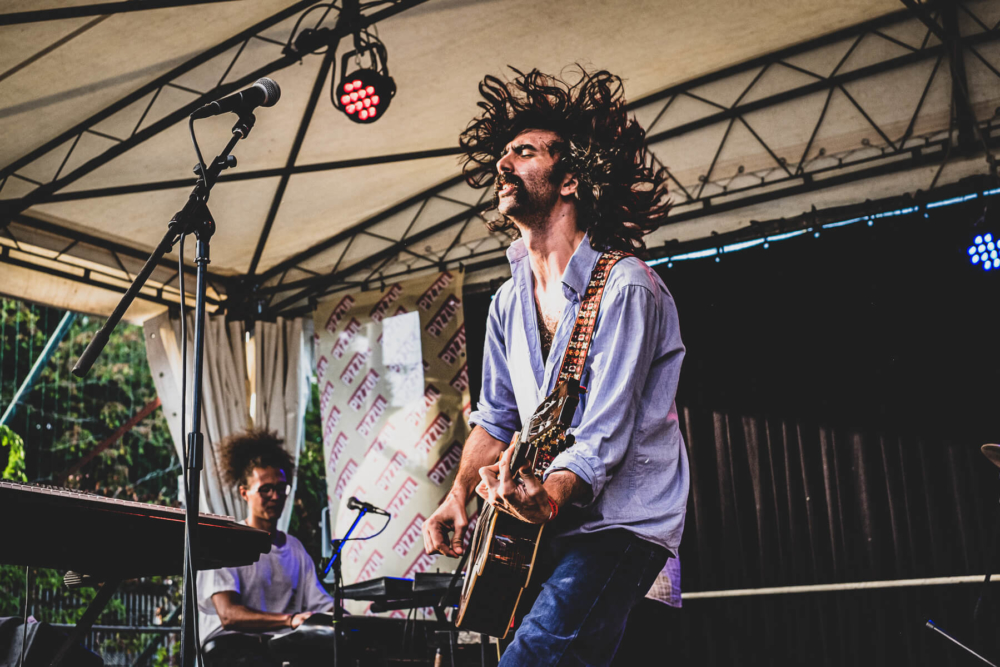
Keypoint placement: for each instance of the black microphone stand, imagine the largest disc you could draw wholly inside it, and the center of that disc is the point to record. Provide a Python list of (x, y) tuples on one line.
[(338, 611), (194, 218)]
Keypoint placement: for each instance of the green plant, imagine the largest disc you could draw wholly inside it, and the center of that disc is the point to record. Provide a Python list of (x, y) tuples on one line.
[(310, 488), (12, 448)]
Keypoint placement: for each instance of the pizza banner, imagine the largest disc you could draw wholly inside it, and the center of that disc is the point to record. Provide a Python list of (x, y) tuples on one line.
[(394, 403)]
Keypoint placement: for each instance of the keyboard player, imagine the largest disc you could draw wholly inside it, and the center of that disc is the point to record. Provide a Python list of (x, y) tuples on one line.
[(240, 606)]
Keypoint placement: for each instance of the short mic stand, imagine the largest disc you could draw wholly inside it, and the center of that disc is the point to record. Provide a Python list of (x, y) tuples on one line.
[(193, 218), (338, 612)]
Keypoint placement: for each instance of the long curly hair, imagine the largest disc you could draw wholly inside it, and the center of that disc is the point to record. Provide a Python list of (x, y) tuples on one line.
[(620, 196), (255, 448)]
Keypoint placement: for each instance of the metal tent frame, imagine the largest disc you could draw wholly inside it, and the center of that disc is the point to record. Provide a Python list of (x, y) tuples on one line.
[(435, 229)]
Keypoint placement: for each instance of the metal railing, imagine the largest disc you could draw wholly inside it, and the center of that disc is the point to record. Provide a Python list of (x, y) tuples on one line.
[(146, 626)]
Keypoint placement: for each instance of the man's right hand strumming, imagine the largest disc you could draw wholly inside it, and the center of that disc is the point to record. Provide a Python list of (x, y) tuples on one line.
[(450, 517), (481, 449)]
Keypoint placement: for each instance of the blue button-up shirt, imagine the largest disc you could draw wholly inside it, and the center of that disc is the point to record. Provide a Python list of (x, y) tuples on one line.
[(629, 446)]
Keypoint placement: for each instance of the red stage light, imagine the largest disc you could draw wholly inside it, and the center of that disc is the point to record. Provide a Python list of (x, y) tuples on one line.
[(361, 91)]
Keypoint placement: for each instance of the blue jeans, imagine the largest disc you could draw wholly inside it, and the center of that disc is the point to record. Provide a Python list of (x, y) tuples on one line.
[(588, 586)]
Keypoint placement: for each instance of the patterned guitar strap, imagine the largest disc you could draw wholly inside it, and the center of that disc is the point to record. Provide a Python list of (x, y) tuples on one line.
[(579, 344)]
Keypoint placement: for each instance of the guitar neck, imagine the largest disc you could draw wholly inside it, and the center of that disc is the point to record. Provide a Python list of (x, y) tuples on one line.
[(542, 438)]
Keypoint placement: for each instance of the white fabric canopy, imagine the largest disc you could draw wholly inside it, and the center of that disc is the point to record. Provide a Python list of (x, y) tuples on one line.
[(760, 110)]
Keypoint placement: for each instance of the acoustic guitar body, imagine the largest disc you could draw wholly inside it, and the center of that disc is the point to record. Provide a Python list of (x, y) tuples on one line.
[(504, 547), (504, 550)]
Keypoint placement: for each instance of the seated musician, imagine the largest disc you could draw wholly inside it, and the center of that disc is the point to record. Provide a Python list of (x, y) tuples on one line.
[(281, 589)]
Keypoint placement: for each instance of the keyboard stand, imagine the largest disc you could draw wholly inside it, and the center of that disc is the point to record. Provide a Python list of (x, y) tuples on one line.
[(88, 619)]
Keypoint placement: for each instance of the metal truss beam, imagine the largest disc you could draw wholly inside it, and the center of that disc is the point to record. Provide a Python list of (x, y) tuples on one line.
[(781, 54), (837, 81), (77, 236), (87, 277), (312, 286), (930, 154), (466, 263), (155, 186), (816, 219), (41, 193), (99, 9), (348, 14), (152, 87), (332, 241), (317, 287)]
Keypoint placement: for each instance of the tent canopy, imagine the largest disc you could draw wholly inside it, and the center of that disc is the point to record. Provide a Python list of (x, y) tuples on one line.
[(759, 110)]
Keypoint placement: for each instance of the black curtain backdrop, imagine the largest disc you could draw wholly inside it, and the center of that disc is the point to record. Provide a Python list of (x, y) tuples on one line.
[(834, 397)]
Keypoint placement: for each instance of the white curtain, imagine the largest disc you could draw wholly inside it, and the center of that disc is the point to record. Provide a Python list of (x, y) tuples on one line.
[(224, 395), (281, 367)]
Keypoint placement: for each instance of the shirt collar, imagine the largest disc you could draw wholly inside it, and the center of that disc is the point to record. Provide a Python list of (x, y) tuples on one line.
[(577, 274)]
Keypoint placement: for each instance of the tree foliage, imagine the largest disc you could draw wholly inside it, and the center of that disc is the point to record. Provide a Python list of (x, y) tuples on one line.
[(63, 417), (310, 490), (11, 455)]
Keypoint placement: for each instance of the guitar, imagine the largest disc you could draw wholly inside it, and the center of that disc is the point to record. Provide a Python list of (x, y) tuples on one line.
[(504, 547)]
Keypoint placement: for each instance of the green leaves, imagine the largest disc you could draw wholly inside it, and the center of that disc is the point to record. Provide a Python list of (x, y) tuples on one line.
[(12, 449)]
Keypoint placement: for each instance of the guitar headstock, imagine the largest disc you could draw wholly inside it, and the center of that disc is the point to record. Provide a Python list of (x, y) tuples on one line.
[(552, 417)]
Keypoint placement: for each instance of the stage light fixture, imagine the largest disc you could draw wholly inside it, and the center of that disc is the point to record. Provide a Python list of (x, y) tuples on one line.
[(984, 252), (365, 93)]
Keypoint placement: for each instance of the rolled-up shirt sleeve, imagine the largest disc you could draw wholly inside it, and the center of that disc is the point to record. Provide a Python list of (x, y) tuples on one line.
[(621, 353), (211, 582), (496, 411)]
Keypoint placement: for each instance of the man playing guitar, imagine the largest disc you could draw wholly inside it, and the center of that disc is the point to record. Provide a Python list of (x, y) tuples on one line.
[(570, 176)]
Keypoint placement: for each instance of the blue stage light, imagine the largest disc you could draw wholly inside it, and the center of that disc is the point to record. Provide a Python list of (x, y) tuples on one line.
[(985, 252)]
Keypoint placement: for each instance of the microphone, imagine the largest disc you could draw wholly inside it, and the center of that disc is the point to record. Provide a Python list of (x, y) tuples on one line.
[(263, 93), (355, 504)]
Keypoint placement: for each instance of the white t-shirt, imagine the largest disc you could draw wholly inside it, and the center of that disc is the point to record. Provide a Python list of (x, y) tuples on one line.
[(282, 581)]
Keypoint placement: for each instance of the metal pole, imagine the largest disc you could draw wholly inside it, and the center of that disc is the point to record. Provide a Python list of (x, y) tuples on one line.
[(36, 370), (195, 444)]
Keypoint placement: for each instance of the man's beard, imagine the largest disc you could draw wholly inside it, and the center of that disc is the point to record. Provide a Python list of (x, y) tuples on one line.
[(525, 206)]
